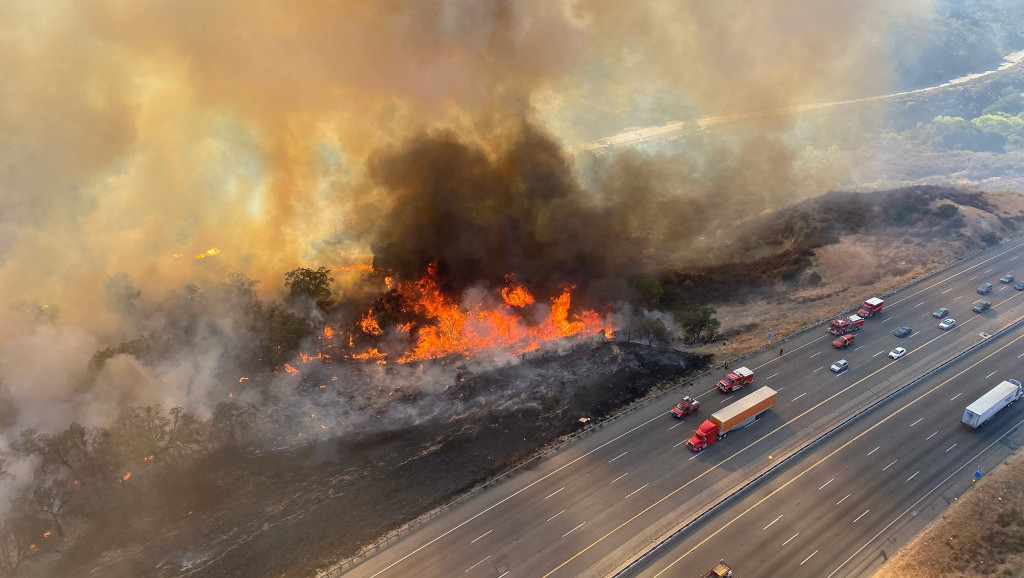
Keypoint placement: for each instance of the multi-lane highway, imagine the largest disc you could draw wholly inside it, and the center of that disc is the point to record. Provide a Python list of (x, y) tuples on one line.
[(610, 495), (862, 493)]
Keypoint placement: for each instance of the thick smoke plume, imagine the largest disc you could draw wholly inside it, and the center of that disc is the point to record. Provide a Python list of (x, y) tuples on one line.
[(149, 146)]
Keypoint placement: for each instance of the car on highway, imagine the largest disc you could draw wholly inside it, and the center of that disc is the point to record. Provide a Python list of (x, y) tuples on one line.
[(897, 353), (903, 331), (947, 323), (940, 313), (985, 289), (1019, 285), (1008, 278), (981, 306), (840, 366)]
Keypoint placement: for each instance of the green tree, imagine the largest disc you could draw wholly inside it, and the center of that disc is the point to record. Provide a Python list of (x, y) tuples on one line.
[(698, 322), (648, 288), (653, 330), (282, 335), (312, 283)]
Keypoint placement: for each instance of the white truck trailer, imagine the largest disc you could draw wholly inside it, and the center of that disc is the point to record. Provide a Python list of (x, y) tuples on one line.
[(986, 406)]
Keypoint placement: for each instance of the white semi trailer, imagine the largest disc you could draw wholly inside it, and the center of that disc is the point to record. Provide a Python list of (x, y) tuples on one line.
[(986, 406)]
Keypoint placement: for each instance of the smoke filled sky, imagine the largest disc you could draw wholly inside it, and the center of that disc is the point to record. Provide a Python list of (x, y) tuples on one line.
[(138, 135)]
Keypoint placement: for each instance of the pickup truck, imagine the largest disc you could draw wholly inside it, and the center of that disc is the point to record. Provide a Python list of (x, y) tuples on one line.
[(721, 570)]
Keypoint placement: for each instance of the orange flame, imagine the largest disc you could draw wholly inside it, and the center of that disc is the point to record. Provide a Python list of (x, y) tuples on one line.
[(291, 369), (243, 378), (328, 332), (148, 458), (369, 324), (126, 476), (516, 295), (47, 533), (372, 353)]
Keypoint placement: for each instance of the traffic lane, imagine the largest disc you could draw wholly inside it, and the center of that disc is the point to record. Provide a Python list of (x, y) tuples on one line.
[(875, 457)]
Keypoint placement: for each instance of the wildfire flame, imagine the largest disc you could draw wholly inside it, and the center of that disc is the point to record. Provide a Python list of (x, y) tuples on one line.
[(455, 329), (328, 332), (126, 476), (47, 533), (243, 378), (291, 369)]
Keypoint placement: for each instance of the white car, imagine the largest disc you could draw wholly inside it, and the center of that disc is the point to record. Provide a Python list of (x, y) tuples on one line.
[(839, 366), (897, 353), (947, 323)]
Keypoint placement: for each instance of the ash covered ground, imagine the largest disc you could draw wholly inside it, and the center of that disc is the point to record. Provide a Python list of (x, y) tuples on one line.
[(290, 511)]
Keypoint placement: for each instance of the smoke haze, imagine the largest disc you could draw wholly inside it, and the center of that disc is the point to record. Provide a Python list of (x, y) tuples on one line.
[(152, 145)]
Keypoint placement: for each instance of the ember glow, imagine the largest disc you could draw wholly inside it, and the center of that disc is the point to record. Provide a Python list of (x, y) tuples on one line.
[(126, 476)]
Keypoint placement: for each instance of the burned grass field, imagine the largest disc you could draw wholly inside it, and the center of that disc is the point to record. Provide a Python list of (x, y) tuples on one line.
[(290, 511)]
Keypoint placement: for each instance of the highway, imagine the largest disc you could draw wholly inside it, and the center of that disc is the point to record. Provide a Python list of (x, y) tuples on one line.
[(859, 496), (611, 494)]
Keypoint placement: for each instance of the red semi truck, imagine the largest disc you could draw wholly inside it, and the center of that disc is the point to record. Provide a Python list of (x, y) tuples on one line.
[(733, 416), (735, 380), (871, 307), (841, 326), (843, 341)]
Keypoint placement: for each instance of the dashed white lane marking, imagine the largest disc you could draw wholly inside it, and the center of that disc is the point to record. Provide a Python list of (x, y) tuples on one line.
[(930, 437), (989, 271), (477, 564), (819, 369), (949, 448), (677, 425), (679, 444), (809, 557), (799, 396), (772, 522), (556, 515), (861, 516), (554, 492), (774, 374), (889, 466), (618, 456), (1021, 355), (636, 490), (991, 374), (879, 353), (573, 530), (886, 319), (504, 573), (624, 475), (844, 499), (916, 422), (791, 538), (826, 483), (816, 354), (956, 396), (912, 477), (473, 541), (919, 304), (858, 347), (946, 291), (874, 450), (958, 297)]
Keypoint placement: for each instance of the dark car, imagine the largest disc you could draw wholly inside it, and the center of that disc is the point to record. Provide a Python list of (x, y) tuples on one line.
[(982, 306), (903, 332), (1008, 278), (985, 289), (1019, 285), (940, 313)]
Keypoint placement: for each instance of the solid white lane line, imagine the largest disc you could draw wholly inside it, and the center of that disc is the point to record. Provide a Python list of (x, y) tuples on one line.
[(677, 425), (636, 490), (916, 422), (912, 477), (477, 564), (956, 396), (774, 374), (844, 499), (991, 374), (889, 466), (619, 478), (556, 515), (554, 492), (826, 483), (861, 516), (874, 450), (791, 538), (930, 437), (618, 456), (473, 541), (817, 354), (770, 523), (573, 530), (799, 396), (949, 448), (809, 557)]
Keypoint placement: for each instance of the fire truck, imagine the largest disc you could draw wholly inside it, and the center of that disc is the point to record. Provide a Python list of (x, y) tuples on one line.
[(850, 324), (871, 307), (735, 379)]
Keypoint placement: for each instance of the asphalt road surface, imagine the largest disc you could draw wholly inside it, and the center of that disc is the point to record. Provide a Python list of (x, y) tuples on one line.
[(612, 494), (845, 507)]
